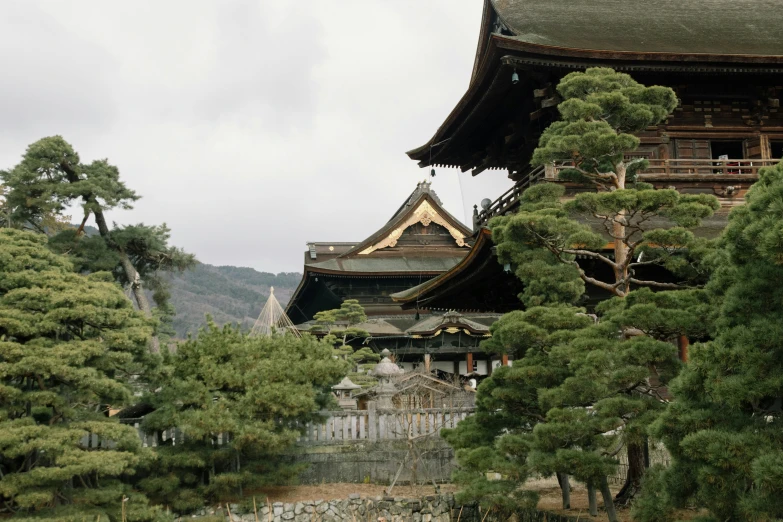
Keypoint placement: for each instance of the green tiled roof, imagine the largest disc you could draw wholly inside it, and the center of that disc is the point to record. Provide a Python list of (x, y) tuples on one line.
[(388, 264), (750, 27)]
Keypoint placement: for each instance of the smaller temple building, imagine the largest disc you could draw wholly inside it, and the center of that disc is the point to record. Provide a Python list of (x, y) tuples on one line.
[(419, 243)]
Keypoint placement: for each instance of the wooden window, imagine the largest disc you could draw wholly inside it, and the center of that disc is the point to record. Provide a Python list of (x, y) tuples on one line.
[(693, 149)]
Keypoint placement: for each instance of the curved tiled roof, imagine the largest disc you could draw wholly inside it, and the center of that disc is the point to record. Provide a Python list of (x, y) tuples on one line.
[(728, 27), (387, 264)]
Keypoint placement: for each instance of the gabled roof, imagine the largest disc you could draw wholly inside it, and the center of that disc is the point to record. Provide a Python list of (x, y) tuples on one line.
[(449, 320), (369, 256), (422, 253)]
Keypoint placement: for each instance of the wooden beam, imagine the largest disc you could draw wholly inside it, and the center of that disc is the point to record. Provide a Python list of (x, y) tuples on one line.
[(683, 343)]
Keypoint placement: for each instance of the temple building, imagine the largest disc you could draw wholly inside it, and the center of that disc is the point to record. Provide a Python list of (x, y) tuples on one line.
[(421, 241), (723, 58)]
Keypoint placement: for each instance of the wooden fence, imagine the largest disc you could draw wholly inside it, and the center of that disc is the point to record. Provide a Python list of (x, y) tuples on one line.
[(375, 425), (337, 427)]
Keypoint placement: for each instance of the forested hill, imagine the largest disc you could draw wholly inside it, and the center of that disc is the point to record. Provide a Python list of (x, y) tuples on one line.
[(229, 294)]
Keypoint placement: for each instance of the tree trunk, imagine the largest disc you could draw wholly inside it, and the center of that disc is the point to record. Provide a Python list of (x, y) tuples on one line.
[(592, 500), (130, 273), (565, 488), (127, 266), (618, 231), (636, 467), (608, 504)]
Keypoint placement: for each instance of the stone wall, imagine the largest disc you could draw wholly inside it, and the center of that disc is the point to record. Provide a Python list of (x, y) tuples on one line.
[(436, 508), (374, 462)]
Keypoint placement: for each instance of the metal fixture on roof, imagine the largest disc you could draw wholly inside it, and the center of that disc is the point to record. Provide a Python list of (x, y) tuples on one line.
[(432, 173), (514, 77)]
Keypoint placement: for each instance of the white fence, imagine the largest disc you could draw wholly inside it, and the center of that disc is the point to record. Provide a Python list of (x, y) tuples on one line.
[(337, 427)]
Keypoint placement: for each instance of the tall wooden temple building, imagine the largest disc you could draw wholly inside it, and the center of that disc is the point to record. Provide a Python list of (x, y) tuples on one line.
[(723, 58)]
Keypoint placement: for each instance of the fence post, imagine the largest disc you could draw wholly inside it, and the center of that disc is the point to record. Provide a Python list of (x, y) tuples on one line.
[(372, 422)]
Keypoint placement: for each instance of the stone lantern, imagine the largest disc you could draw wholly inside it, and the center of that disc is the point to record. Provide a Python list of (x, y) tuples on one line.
[(386, 389), (344, 396)]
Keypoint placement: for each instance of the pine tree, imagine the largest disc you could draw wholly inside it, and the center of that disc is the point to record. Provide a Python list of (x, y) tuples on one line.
[(645, 227), (496, 439), (69, 346), (619, 371), (600, 109), (239, 402), (51, 177), (724, 428), (340, 328)]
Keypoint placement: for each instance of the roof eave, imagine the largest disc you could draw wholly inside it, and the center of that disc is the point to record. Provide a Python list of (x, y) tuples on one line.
[(497, 56)]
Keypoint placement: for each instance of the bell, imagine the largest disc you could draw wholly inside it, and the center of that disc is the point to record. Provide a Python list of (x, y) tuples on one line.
[(514, 78), (432, 173)]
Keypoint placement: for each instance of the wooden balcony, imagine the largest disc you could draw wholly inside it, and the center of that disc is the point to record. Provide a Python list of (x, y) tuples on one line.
[(658, 170), (691, 169)]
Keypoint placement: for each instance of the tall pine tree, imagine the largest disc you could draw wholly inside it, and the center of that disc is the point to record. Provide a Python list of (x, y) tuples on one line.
[(621, 230), (51, 177), (69, 346), (724, 427)]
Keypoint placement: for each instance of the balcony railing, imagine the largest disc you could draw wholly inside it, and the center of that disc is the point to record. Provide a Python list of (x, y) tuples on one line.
[(690, 168), (508, 200), (658, 169)]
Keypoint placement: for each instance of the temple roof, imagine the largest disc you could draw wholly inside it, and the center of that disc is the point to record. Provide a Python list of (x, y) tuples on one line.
[(420, 241), (379, 253), (496, 123), (428, 325), (387, 264), (730, 27)]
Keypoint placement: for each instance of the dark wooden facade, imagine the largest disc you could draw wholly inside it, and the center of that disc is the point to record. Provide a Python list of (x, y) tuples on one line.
[(721, 57)]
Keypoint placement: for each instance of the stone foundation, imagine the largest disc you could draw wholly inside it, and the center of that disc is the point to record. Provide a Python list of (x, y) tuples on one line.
[(436, 508)]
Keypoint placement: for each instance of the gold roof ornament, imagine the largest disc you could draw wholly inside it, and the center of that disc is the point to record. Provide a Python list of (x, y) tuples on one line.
[(424, 214)]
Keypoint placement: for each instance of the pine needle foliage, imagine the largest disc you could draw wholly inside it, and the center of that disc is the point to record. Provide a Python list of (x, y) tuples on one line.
[(599, 111), (341, 329), (240, 402), (724, 428), (69, 346), (50, 178)]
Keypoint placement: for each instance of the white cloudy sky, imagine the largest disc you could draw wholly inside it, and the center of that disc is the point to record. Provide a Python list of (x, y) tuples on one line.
[(249, 126)]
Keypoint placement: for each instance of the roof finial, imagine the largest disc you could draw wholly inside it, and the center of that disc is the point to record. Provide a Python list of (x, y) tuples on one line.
[(271, 290)]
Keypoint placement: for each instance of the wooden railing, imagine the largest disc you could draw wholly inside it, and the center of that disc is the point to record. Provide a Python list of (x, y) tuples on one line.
[(658, 169), (509, 199), (337, 427), (688, 168)]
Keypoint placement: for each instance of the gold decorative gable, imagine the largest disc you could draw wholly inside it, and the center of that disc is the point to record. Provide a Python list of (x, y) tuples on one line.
[(424, 214)]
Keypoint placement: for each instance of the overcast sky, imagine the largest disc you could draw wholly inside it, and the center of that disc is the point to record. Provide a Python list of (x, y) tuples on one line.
[(250, 127)]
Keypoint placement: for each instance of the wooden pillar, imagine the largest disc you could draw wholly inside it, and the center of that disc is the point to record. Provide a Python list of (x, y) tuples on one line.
[(504, 360), (684, 343), (469, 363), (489, 366), (456, 371), (427, 362)]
